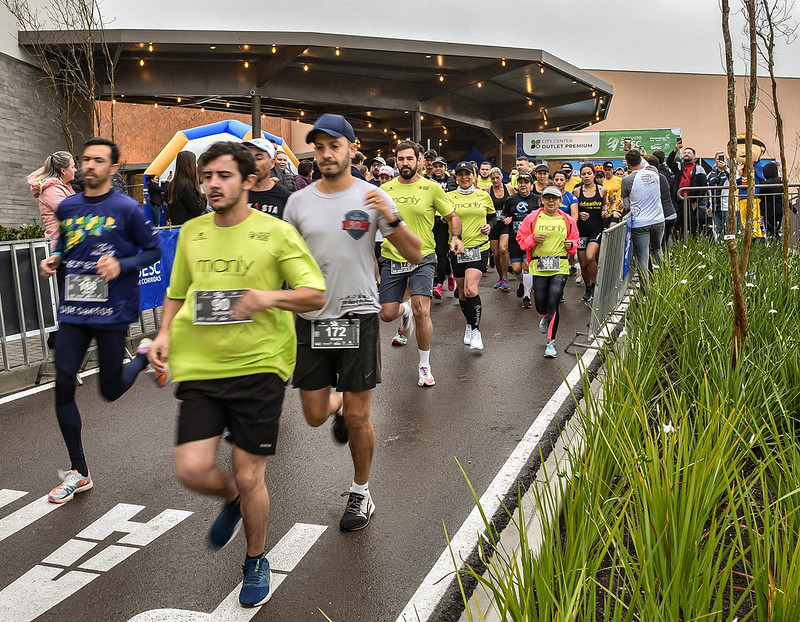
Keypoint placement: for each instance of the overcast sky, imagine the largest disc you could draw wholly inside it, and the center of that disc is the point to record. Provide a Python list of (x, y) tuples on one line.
[(679, 36)]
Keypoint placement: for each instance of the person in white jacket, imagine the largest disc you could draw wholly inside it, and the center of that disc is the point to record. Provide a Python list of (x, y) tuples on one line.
[(50, 184)]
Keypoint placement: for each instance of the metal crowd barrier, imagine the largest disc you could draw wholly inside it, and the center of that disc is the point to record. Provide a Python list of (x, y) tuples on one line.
[(698, 222)]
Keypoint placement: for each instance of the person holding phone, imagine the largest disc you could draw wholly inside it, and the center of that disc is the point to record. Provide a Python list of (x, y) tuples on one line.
[(718, 180)]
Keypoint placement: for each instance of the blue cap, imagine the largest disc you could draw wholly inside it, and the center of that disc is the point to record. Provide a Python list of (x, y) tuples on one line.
[(333, 124)]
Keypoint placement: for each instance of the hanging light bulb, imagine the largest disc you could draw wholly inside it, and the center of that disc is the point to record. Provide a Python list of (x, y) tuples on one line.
[(274, 49), (246, 64)]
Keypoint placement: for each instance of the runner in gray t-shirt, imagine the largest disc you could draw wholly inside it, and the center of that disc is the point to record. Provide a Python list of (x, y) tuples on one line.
[(339, 345)]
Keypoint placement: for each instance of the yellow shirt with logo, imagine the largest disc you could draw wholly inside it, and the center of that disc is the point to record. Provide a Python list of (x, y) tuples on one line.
[(553, 246), (574, 180), (261, 252), (472, 209), (418, 203), (614, 188)]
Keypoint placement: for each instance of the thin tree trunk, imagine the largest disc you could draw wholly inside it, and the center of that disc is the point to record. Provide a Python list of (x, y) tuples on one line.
[(749, 109), (740, 325)]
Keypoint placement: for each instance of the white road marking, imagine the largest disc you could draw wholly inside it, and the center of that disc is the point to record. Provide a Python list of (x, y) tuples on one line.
[(109, 557), (26, 515), (38, 590), (286, 554), (7, 496), (433, 588), (69, 553), (290, 549), (139, 534)]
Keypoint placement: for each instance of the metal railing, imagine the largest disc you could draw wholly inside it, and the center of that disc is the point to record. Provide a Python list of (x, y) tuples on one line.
[(697, 220)]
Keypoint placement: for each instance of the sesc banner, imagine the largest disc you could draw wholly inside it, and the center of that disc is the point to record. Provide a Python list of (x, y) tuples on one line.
[(602, 144), (153, 280)]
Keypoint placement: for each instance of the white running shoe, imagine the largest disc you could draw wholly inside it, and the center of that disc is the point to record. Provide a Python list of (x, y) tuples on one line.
[(468, 335), (407, 321), (72, 482), (550, 350), (425, 377), (477, 342), (579, 280)]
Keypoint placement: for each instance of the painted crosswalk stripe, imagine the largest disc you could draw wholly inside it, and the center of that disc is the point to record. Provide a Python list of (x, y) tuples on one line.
[(26, 515)]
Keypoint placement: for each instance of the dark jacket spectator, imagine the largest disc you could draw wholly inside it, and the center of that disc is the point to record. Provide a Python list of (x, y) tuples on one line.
[(185, 199), (303, 177), (117, 181), (772, 206)]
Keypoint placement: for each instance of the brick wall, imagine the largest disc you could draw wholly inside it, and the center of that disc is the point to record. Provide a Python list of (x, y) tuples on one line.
[(27, 136)]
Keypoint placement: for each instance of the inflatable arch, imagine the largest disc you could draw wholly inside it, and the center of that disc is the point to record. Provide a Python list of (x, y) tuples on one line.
[(198, 139)]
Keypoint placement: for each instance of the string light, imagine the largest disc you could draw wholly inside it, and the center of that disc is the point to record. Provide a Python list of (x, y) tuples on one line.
[(212, 47), (150, 47), (530, 102), (503, 62), (337, 52), (246, 64), (541, 68), (155, 105), (227, 104), (302, 113), (421, 118), (369, 125), (141, 62), (274, 49), (113, 101), (202, 109), (245, 47), (179, 100), (441, 78), (305, 67)]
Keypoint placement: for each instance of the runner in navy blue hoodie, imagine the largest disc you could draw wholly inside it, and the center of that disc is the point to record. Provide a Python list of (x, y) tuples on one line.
[(104, 242)]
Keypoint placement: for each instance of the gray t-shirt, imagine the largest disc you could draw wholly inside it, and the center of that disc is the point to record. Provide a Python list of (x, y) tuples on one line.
[(339, 230)]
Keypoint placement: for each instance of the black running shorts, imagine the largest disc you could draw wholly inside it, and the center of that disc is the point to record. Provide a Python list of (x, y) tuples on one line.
[(347, 369), (249, 406)]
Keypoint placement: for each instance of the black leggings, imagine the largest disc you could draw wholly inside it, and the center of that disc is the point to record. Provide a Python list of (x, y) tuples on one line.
[(441, 234), (547, 292), (113, 380)]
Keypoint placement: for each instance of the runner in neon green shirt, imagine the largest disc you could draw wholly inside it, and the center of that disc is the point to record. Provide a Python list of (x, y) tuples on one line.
[(227, 330), (417, 200), (476, 210)]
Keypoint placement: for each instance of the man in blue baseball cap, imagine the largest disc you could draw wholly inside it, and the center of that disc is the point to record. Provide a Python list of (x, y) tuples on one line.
[(338, 346)]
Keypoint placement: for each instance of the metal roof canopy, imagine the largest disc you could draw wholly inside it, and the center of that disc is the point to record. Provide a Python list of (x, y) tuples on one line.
[(381, 85)]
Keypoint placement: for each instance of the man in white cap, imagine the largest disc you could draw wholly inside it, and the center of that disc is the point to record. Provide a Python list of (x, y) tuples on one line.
[(266, 195)]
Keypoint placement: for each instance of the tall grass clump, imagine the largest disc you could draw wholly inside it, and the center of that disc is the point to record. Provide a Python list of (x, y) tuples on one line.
[(684, 503)]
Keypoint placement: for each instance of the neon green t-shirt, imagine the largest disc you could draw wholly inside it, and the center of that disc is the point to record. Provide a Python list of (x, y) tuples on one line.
[(417, 203), (261, 252), (483, 184), (572, 181), (472, 209), (553, 246)]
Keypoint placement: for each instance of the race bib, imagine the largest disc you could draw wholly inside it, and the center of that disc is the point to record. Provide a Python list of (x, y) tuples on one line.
[(469, 255), (582, 242), (85, 288), (402, 267), (548, 264), (214, 306), (341, 333), (516, 225)]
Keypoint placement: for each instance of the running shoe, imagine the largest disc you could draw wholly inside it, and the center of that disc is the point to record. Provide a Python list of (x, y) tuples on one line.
[(587, 295), (255, 586), (476, 343), (520, 290), (399, 340), (339, 428), (163, 378), (579, 280), (226, 525), (144, 346), (468, 335), (71, 483), (499, 284), (357, 512), (505, 286), (438, 291), (451, 283), (573, 271), (425, 377), (550, 350), (526, 303), (407, 321), (543, 324), (455, 293)]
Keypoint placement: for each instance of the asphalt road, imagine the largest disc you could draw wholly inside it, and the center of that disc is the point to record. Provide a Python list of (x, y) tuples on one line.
[(91, 559)]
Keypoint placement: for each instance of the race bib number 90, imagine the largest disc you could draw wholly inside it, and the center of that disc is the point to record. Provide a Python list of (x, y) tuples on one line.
[(215, 306), (469, 255)]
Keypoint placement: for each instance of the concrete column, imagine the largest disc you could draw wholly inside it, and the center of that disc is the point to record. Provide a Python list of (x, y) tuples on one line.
[(500, 153), (416, 127), (255, 108)]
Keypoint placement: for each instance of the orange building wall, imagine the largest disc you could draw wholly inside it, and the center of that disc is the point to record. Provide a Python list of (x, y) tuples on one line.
[(698, 105), (142, 131)]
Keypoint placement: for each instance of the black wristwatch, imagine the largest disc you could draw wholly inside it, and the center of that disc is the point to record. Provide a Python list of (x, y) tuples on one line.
[(396, 223), (456, 235)]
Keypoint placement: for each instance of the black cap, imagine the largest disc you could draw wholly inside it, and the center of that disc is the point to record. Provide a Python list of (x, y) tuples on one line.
[(524, 177), (439, 160), (334, 125), (464, 166), (607, 164), (542, 167), (430, 153)]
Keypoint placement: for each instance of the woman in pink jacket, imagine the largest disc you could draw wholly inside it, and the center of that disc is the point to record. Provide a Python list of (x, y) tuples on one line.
[(50, 184)]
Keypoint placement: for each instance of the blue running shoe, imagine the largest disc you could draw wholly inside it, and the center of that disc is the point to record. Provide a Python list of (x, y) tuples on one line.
[(226, 525), (257, 579), (544, 323)]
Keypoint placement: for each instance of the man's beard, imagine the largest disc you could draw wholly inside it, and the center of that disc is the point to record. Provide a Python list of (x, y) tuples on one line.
[(344, 166), (228, 206), (408, 173)]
